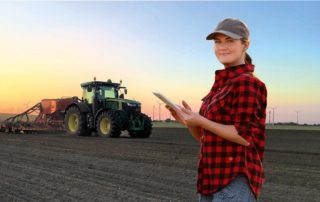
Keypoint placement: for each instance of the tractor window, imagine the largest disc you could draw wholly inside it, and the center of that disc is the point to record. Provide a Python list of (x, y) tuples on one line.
[(87, 95), (107, 92)]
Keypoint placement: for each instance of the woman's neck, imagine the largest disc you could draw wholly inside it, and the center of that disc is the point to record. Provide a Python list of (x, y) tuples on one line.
[(233, 64), (240, 61)]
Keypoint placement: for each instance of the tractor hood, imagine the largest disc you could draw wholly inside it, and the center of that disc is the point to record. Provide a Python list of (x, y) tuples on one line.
[(131, 102)]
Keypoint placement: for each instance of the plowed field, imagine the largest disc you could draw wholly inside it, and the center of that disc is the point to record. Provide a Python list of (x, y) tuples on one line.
[(58, 167)]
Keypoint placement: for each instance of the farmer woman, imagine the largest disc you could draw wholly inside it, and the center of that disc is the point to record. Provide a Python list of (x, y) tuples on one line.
[(231, 123)]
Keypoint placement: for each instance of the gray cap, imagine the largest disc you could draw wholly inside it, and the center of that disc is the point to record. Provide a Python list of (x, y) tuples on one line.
[(231, 27)]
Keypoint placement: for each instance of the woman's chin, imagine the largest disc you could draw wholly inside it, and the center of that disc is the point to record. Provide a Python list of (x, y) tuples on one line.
[(226, 62)]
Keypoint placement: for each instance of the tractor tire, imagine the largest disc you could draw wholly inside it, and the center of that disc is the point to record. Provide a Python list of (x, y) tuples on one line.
[(133, 134), (75, 122), (147, 130), (147, 127), (108, 124)]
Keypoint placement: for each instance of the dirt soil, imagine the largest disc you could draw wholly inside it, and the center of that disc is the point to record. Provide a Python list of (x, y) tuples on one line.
[(58, 167)]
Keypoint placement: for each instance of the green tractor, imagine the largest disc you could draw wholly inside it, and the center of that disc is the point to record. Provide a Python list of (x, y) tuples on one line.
[(105, 111)]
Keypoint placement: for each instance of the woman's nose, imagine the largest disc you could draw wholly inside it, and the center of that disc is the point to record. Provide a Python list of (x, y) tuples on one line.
[(221, 47)]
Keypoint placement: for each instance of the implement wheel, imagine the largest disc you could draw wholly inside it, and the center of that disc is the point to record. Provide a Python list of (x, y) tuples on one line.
[(75, 122), (108, 124)]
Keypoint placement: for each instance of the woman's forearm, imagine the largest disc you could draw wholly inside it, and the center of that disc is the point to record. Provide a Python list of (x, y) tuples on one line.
[(227, 132)]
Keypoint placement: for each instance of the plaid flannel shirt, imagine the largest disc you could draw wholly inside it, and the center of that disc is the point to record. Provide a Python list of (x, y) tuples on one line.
[(236, 98)]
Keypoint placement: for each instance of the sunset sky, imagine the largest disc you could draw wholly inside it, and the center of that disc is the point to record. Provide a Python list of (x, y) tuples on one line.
[(48, 48)]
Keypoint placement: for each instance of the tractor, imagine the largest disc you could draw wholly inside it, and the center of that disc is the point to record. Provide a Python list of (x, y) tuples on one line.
[(104, 110)]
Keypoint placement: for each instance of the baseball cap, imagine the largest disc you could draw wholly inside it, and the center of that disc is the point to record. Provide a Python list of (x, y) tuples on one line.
[(231, 27)]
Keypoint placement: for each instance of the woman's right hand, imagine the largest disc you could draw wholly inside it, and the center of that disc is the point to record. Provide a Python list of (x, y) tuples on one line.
[(175, 115), (178, 115)]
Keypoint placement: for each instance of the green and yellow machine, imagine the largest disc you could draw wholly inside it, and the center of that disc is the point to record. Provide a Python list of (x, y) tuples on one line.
[(104, 110)]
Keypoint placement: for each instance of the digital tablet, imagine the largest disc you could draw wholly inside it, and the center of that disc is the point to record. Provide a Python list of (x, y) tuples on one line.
[(166, 101)]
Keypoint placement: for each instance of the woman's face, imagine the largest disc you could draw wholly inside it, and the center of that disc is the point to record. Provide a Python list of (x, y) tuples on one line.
[(229, 51)]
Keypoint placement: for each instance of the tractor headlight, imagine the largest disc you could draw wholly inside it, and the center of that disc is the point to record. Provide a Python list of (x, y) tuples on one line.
[(131, 105)]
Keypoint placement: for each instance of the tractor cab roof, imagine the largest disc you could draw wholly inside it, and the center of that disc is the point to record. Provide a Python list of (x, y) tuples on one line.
[(100, 83)]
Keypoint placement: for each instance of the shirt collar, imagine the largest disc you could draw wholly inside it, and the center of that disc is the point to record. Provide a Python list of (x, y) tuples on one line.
[(233, 71)]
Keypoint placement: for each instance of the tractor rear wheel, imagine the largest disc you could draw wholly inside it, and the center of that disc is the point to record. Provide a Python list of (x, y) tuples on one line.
[(108, 124), (75, 122)]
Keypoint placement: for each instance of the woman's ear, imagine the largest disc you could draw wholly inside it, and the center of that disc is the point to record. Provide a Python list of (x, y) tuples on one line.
[(246, 45)]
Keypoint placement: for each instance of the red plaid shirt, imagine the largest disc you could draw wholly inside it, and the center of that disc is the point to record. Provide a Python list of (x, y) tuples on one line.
[(236, 98)]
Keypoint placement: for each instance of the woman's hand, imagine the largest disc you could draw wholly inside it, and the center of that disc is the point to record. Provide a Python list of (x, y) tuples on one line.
[(185, 115), (190, 118), (176, 115)]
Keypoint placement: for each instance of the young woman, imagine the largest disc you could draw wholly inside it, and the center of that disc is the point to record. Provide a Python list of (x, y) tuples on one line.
[(231, 123)]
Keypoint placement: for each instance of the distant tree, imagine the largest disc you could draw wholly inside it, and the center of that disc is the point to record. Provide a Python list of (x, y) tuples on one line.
[(168, 120)]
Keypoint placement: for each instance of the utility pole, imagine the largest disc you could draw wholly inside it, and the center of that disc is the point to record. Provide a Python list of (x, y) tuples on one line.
[(273, 108), (159, 111), (297, 116), (153, 112), (269, 117)]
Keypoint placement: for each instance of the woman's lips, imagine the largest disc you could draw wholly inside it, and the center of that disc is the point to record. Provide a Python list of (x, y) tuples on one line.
[(224, 54)]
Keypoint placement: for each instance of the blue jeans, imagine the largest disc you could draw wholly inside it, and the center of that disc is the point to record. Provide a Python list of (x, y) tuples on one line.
[(237, 191)]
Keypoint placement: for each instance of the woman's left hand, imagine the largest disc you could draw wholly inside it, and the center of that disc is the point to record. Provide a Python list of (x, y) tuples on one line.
[(189, 117)]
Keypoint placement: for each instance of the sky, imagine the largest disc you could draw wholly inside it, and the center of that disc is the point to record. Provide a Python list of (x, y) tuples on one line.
[(48, 48)]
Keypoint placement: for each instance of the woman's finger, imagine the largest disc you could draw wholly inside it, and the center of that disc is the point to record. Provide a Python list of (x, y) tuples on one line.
[(187, 111), (185, 104), (170, 109)]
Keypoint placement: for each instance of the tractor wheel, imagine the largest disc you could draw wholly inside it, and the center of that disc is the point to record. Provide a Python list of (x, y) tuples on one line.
[(108, 124), (146, 132), (147, 126), (134, 134), (75, 122)]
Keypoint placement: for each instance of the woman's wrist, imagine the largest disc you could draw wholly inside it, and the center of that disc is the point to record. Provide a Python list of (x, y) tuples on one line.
[(202, 121)]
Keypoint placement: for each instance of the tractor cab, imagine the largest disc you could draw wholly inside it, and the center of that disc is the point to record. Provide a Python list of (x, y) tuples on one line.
[(100, 90)]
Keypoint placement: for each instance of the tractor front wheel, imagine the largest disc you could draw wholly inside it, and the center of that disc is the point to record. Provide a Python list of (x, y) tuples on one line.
[(147, 128), (108, 124)]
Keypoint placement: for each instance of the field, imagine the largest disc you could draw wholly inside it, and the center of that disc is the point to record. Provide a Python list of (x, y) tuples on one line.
[(271, 127), (57, 167)]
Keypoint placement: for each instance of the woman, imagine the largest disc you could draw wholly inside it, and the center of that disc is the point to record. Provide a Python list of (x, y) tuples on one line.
[(231, 123)]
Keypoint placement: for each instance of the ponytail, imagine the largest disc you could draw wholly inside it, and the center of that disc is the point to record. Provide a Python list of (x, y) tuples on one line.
[(248, 59)]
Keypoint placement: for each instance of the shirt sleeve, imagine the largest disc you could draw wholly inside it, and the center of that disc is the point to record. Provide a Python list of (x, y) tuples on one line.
[(247, 107)]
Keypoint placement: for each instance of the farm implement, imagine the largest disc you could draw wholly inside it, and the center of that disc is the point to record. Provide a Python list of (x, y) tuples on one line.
[(45, 116)]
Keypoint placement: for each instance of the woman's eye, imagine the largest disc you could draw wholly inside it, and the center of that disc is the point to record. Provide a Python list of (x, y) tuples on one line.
[(217, 42)]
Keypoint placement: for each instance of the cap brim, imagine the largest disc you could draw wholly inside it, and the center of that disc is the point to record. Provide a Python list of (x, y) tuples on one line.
[(229, 34)]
